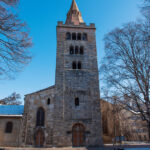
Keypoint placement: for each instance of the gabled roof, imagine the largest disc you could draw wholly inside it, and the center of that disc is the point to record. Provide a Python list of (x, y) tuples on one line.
[(51, 87), (11, 109)]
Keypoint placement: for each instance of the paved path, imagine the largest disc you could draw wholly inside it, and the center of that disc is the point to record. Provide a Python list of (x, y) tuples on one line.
[(105, 147), (68, 148)]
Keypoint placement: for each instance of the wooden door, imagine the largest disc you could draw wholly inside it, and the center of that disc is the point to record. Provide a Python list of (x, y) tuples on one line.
[(78, 135), (39, 139)]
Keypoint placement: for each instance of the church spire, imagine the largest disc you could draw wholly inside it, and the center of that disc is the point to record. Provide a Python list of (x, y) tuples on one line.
[(74, 15)]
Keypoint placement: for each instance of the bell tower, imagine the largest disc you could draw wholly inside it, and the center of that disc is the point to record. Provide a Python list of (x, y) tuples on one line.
[(77, 100)]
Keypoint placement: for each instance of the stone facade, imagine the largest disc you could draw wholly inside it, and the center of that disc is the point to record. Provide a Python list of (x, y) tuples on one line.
[(121, 122), (32, 103), (13, 138), (71, 108)]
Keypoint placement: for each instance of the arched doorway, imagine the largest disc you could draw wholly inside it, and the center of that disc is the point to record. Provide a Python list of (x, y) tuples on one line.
[(39, 140), (78, 135)]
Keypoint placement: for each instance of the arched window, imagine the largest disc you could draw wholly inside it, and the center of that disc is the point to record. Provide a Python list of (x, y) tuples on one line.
[(79, 36), (81, 50), (9, 127), (77, 103), (84, 36), (76, 50), (71, 50), (48, 101), (68, 36), (74, 37), (79, 65), (40, 117), (74, 65)]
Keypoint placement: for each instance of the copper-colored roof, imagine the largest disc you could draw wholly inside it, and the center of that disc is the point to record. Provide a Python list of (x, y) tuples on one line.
[(74, 6), (74, 15)]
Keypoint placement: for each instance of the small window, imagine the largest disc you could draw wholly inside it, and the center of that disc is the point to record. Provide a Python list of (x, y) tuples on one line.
[(77, 103), (76, 50), (74, 36), (74, 65), (84, 36), (9, 127), (68, 36), (79, 65), (74, 12), (79, 36), (48, 101), (71, 50), (81, 50)]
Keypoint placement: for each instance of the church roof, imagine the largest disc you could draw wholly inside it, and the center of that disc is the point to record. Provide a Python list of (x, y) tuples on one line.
[(51, 87), (11, 110), (74, 15)]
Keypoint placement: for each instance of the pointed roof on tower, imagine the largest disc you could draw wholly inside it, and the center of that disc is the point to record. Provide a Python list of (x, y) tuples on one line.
[(74, 15), (74, 6)]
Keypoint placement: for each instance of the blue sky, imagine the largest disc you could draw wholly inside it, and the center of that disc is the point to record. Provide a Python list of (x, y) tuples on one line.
[(42, 17)]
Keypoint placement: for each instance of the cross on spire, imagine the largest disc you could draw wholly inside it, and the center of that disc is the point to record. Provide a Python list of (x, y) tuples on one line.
[(74, 15)]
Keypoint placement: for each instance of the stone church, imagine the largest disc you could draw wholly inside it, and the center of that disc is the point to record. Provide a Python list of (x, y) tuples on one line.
[(67, 113)]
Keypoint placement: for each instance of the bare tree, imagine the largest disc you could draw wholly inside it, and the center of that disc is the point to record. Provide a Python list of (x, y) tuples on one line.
[(13, 99), (146, 8), (126, 67), (14, 40), (10, 2)]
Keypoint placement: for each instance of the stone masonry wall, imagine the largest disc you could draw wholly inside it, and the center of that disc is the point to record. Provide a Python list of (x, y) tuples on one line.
[(32, 103), (62, 115), (13, 138), (82, 83)]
